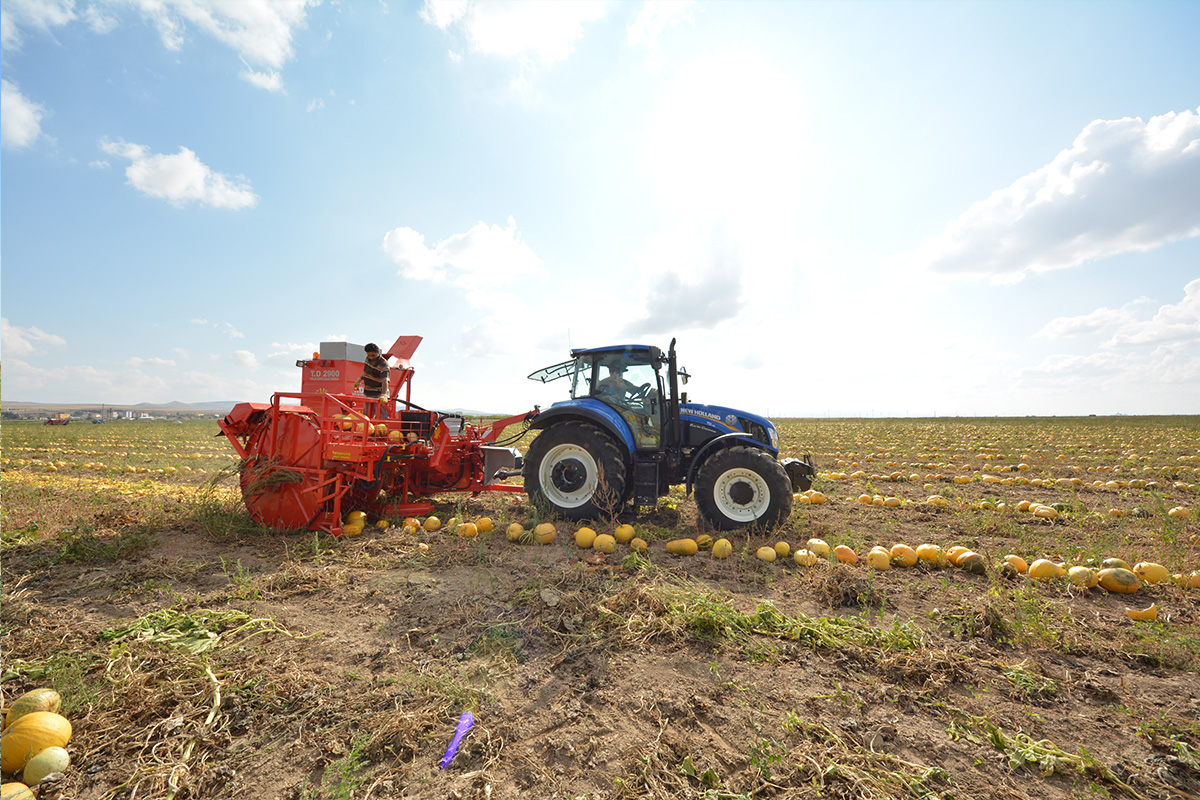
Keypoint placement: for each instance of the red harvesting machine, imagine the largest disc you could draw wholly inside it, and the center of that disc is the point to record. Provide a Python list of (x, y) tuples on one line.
[(311, 457)]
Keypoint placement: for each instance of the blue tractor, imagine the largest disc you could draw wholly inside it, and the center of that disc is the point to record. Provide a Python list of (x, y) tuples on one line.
[(629, 434)]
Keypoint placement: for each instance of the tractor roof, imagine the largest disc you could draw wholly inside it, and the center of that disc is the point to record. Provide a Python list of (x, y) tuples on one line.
[(616, 348)]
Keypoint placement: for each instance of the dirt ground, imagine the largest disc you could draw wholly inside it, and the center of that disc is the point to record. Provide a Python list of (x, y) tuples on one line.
[(593, 676)]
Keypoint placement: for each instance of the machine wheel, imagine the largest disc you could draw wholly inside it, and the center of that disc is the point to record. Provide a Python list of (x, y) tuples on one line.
[(576, 470), (743, 486)]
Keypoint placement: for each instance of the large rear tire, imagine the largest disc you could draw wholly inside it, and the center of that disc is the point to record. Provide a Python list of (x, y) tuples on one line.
[(740, 487), (576, 470)]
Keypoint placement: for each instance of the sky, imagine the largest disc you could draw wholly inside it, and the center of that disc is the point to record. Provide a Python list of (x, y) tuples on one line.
[(837, 209)]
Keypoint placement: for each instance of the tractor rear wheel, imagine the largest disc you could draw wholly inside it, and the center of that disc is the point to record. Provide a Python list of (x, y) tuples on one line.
[(576, 470), (743, 486)]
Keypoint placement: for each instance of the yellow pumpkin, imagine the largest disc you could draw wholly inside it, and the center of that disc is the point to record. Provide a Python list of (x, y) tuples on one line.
[(878, 558), (722, 548), (514, 532), (1017, 563), (15, 791), (604, 543), (818, 546), (804, 558), (468, 530), (639, 545), (953, 554), (354, 529), (931, 554), (904, 555), (584, 538), (1083, 576), (432, 523), (1044, 569), (44, 699), (30, 735), (783, 549), (1150, 572), (1121, 581), (845, 554), (624, 533), (682, 547), (545, 533), (704, 541), (485, 524), (766, 553)]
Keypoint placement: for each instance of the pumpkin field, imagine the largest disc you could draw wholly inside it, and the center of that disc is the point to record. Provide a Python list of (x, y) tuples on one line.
[(989, 646)]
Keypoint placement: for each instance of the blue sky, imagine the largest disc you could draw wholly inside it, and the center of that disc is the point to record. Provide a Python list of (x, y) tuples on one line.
[(837, 208)]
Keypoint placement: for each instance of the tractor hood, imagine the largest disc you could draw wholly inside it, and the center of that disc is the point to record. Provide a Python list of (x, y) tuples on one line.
[(730, 420)]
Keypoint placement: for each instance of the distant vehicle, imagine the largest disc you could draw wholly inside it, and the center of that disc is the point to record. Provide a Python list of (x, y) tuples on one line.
[(97, 421), (56, 421)]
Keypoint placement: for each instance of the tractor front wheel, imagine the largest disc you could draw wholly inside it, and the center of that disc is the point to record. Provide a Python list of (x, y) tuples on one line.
[(743, 486), (576, 470)]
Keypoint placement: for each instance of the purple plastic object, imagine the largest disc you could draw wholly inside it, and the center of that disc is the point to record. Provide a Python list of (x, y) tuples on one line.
[(464, 724)]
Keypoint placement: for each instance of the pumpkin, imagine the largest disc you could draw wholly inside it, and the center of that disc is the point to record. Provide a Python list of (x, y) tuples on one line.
[(639, 545), (44, 699), (30, 735), (704, 541), (845, 555), (864, 499), (1116, 579), (485, 524), (604, 543), (1045, 569), (816, 498), (1045, 512), (514, 532), (52, 759), (766, 553), (722, 548), (545, 533), (623, 533), (432, 523), (892, 502), (1083, 576), (783, 549), (356, 518), (904, 555), (972, 562), (931, 554), (878, 558), (353, 529), (804, 558), (1150, 572), (15, 791), (584, 538), (818, 546), (1017, 563), (1109, 563), (1143, 615), (955, 552), (468, 530), (383, 524), (682, 547)]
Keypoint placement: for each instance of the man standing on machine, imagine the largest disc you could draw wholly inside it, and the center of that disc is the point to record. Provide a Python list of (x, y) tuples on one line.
[(374, 378)]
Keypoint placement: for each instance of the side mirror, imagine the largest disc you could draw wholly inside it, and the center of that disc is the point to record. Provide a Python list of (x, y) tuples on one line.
[(683, 376)]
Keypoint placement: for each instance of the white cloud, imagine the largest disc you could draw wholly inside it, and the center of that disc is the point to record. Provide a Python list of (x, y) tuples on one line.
[(270, 80), (26, 341), (137, 361), (98, 21), (42, 14), (652, 20), (180, 179), (20, 118), (1123, 186), (244, 358), (482, 260), (1085, 324), (99, 163), (259, 31), (693, 280), (516, 27), (315, 105), (1178, 323)]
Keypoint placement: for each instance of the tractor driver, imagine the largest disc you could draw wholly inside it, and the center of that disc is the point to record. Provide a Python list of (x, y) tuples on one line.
[(615, 384), (374, 378)]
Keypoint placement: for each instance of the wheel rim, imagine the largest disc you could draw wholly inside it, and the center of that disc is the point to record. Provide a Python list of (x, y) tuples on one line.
[(568, 476), (742, 495)]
